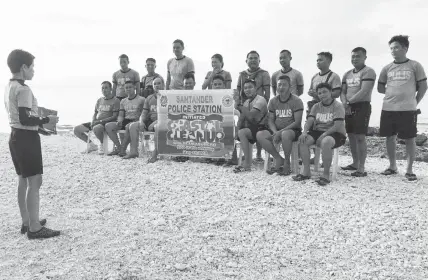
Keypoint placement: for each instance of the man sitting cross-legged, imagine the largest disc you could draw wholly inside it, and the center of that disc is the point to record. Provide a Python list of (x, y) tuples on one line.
[(147, 122), (130, 111), (251, 120), (325, 127), (106, 110), (285, 125)]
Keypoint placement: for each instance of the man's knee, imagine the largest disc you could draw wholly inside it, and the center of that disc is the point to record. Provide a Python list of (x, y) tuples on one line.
[(35, 181), (111, 126), (243, 132), (328, 142), (78, 130), (262, 135), (22, 182), (288, 135), (135, 126), (99, 128)]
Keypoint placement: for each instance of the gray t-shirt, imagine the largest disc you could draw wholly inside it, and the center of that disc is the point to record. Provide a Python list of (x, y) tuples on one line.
[(106, 107), (401, 85), (283, 112), (120, 78), (296, 79), (353, 81), (178, 68), (18, 94), (132, 107), (325, 115), (329, 77)]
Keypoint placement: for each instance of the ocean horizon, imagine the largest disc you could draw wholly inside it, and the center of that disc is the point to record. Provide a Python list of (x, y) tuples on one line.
[(75, 105)]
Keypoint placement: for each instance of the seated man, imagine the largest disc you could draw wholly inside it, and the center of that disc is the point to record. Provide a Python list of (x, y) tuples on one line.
[(106, 110), (284, 124), (147, 122), (252, 120), (325, 127), (130, 111)]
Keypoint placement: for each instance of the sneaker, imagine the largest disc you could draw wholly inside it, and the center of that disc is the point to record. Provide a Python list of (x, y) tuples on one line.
[(91, 147), (44, 232), (101, 149)]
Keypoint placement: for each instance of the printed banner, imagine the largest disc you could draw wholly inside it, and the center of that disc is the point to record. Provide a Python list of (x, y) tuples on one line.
[(196, 123)]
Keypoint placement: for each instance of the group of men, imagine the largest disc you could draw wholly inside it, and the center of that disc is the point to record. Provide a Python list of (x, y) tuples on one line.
[(338, 107)]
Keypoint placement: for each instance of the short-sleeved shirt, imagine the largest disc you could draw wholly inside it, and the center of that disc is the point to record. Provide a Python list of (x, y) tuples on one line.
[(150, 105), (105, 108), (261, 77), (148, 80), (132, 107), (401, 85), (284, 110), (329, 77), (325, 115), (18, 94), (226, 75), (354, 79), (296, 79), (120, 78), (259, 103), (178, 68)]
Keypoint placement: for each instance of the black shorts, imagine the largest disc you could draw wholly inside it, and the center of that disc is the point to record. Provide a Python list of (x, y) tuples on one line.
[(87, 125), (254, 129), (26, 152), (402, 123), (358, 121), (125, 122), (339, 138), (147, 123), (297, 133)]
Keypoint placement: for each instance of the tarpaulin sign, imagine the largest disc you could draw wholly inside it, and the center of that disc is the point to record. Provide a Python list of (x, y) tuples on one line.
[(196, 123)]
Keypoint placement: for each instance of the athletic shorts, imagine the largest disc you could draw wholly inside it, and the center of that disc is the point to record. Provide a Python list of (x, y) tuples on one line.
[(358, 121), (149, 123), (297, 133), (125, 123), (26, 152), (254, 129), (402, 123), (88, 125), (339, 138)]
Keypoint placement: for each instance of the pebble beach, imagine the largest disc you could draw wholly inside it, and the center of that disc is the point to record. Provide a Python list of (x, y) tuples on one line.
[(168, 220)]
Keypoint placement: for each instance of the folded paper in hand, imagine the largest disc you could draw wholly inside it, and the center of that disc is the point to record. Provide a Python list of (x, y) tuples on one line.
[(48, 127)]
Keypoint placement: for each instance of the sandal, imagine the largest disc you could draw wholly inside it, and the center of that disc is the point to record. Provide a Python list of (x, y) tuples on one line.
[(349, 168), (24, 229), (285, 172), (152, 160), (411, 176), (240, 169), (359, 174), (274, 170), (301, 177), (322, 181), (388, 172)]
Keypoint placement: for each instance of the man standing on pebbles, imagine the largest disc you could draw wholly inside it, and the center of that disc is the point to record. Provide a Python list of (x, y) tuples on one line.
[(24, 143), (404, 84)]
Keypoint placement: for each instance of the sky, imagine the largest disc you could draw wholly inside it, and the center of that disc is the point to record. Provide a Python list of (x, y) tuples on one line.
[(77, 43)]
